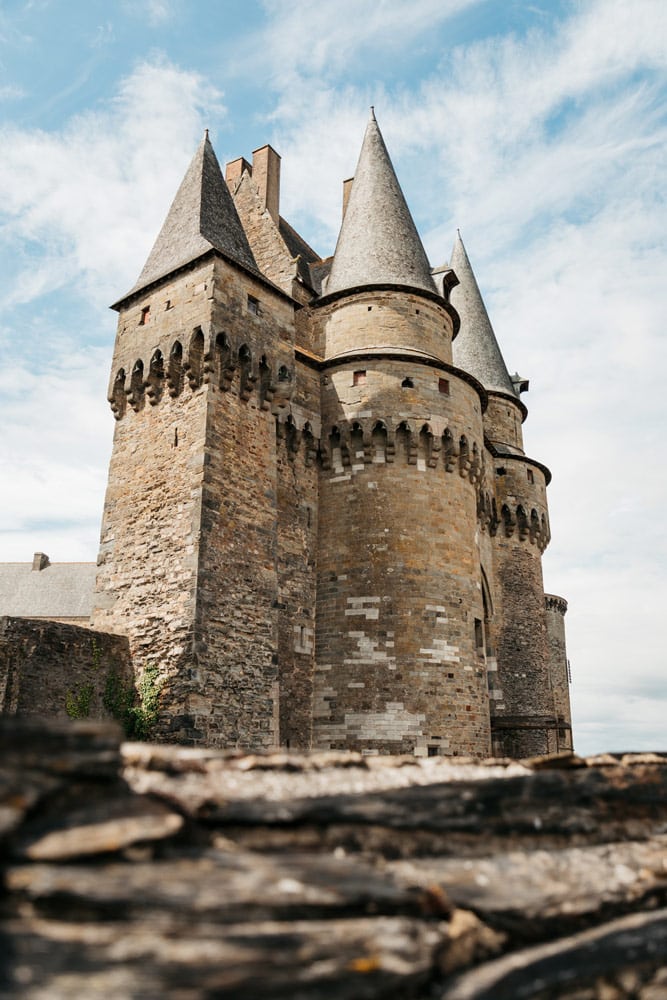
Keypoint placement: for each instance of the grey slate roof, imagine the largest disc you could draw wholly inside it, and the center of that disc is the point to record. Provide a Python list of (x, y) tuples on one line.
[(475, 349), (60, 590), (378, 241), (202, 216)]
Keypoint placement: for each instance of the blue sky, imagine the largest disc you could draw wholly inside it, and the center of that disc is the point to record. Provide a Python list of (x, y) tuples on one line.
[(537, 128)]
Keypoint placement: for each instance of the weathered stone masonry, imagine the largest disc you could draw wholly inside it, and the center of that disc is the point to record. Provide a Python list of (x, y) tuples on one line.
[(320, 525)]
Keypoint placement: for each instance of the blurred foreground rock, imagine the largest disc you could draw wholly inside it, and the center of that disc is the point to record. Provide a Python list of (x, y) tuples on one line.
[(131, 871)]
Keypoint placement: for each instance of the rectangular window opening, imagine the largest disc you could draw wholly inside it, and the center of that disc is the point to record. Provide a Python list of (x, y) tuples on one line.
[(443, 386), (359, 378), (253, 305), (531, 477), (145, 315), (479, 636)]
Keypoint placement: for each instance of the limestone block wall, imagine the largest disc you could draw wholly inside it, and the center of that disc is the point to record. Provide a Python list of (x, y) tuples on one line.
[(46, 666), (380, 320), (398, 668), (502, 422)]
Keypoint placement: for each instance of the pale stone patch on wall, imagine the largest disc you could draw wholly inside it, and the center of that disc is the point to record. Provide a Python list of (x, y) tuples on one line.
[(442, 652), (364, 606), (304, 639), (368, 652), (393, 724)]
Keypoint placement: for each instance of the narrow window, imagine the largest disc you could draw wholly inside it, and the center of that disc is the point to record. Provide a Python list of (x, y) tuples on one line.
[(531, 477), (369, 308), (359, 378), (253, 305), (434, 751), (145, 315), (443, 386), (175, 437), (501, 471), (479, 636), (407, 383)]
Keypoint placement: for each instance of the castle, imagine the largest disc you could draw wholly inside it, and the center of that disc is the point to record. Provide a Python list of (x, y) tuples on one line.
[(320, 525)]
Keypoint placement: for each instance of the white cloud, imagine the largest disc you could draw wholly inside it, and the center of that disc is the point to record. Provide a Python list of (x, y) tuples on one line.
[(80, 209), (94, 195), (57, 450), (11, 92), (307, 37)]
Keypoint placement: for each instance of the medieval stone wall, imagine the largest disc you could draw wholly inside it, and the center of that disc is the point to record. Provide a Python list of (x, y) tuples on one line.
[(51, 669)]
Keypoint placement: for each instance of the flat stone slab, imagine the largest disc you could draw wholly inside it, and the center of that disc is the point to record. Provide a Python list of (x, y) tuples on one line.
[(105, 827), (621, 959)]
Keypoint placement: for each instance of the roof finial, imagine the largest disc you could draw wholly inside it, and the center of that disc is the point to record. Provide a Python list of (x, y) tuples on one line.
[(206, 133), (372, 112)]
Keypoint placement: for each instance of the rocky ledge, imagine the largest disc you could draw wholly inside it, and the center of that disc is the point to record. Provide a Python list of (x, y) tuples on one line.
[(132, 870)]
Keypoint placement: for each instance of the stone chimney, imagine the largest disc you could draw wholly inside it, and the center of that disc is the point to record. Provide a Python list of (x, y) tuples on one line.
[(233, 171), (40, 561), (266, 175), (347, 188)]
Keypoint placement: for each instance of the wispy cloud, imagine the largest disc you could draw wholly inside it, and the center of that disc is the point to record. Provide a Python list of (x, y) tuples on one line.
[(103, 184), (11, 92), (79, 210)]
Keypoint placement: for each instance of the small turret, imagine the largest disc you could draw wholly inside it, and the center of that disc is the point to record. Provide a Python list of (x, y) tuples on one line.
[(378, 242), (476, 351)]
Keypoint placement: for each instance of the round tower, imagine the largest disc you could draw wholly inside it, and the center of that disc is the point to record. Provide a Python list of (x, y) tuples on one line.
[(559, 667), (399, 612), (522, 709)]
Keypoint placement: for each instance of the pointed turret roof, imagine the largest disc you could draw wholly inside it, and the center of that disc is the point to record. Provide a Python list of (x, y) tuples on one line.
[(475, 349), (202, 217), (378, 241)]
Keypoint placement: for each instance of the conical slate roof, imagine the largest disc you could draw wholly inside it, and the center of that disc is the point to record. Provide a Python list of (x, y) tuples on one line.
[(475, 349), (378, 241), (202, 216)]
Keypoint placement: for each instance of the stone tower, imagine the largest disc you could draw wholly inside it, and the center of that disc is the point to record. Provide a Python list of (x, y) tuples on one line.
[(399, 585), (320, 527), (188, 559), (522, 708)]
